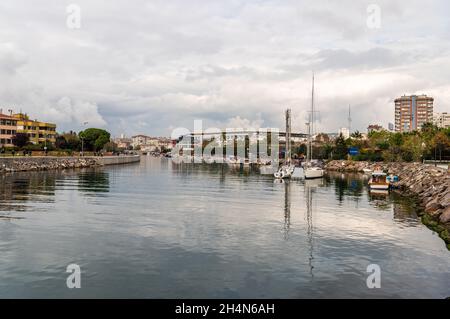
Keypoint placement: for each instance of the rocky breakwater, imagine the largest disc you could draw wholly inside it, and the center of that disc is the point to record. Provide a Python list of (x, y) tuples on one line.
[(23, 164), (428, 184)]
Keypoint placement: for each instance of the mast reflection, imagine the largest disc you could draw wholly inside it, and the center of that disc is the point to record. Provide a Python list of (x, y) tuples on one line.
[(310, 188), (287, 209)]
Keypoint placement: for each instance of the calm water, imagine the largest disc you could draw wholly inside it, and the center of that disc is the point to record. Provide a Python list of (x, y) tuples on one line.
[(155, 229)]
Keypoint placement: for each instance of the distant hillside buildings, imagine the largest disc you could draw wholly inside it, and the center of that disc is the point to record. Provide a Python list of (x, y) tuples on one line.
[(150, 144), (374, 128)]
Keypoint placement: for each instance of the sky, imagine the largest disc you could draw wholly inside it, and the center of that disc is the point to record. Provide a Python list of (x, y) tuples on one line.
[(149, 67)]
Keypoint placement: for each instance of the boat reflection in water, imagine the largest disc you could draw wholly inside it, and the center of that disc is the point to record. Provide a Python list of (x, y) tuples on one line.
[(310, 188)]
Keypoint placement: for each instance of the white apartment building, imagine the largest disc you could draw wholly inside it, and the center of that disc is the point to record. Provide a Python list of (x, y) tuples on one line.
[(442, 120), (345, 132)]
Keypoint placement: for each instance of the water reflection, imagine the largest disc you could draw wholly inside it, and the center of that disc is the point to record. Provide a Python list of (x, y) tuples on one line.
[(21, 188), (287, 209), (18, 188), (94, 182), (346, 185), (380, 199), (206, 231), (310, 189), (405, 211)]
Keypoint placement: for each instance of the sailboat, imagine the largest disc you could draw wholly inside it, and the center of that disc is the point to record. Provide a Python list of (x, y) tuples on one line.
[(310, 170), (287, 169)]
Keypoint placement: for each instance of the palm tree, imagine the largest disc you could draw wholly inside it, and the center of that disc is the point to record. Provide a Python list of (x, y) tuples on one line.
[(356, 135)]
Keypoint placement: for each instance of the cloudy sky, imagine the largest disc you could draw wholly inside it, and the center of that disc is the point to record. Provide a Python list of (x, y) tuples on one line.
[(151, 66)]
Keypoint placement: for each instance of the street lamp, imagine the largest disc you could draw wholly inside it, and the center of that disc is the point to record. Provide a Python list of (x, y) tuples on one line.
[(82, 141), (45, 144)]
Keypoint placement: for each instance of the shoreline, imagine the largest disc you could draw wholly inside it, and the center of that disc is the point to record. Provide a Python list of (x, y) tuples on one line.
[(426, 184), (45, 163)]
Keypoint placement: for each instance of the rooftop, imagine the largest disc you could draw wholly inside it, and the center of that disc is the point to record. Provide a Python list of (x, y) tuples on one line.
[(6, 117)]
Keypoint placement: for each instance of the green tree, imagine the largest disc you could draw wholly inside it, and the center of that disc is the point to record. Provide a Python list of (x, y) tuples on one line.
[(110, 147), (328, 150), (68, 141), (94, 139), (440, 142), (20, 140), (60, 142), (393, 153), (411, 149), (356, 135), (340, 148)]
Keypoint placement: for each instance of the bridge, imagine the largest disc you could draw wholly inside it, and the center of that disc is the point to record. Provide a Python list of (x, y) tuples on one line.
[(242, 133)]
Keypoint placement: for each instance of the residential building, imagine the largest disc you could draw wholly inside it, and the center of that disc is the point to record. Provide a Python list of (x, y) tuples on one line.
[(391, 127), (38, 132), (345, 132), (165, 143), (412, 111), (123, 142), (374, 128), (139, 140), (150, 144), (8, 128), (442, 120)]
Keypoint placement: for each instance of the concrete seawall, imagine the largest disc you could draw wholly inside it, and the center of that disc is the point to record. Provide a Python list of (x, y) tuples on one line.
[(118, 160), (23, 164)]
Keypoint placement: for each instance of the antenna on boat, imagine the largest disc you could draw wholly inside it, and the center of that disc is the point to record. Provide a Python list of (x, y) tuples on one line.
[(288, 136)]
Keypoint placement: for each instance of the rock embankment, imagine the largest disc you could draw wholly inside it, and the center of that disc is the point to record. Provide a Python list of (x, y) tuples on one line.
[(24, 164), (429, 184)]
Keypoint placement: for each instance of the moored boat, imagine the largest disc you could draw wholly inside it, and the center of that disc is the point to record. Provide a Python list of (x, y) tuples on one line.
[(311, 170), (379, 181)]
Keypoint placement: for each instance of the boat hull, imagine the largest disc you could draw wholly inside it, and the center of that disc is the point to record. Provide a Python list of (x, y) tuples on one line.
[(298, 173), (267, 170), (313, 173), (379, 186)]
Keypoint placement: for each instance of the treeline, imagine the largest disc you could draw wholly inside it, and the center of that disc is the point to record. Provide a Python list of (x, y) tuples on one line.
[(89, 140), (430, 142)]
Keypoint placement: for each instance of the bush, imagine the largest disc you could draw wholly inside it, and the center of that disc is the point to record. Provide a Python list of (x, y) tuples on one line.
[(33, 147)]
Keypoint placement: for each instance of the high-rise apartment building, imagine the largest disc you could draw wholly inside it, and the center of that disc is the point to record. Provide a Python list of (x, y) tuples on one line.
[(412, 111)]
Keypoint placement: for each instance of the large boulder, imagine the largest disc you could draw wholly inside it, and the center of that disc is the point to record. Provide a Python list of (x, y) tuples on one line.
[(432, 206), (445, 216), (445, 200)]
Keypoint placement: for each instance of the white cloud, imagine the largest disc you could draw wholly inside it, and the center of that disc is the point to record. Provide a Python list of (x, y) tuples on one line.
[(238, 122), (143, 67), (77, 112)]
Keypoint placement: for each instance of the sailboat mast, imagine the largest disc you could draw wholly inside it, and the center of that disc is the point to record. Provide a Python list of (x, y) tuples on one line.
[(311, 124)]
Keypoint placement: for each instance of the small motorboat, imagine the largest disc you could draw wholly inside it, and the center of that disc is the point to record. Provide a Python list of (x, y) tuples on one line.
[(379, 181), (367, 171)]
